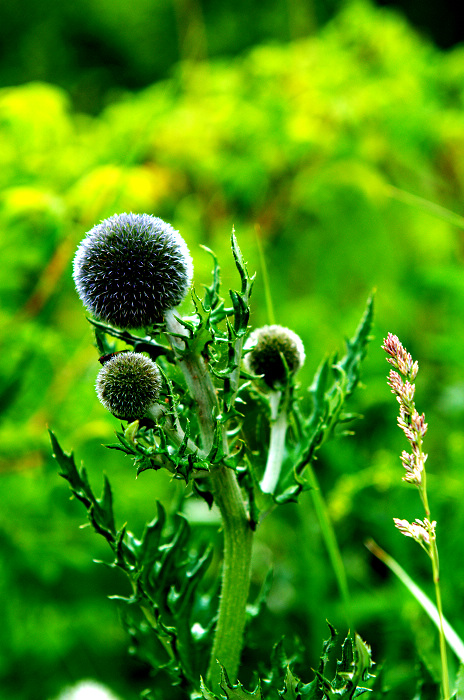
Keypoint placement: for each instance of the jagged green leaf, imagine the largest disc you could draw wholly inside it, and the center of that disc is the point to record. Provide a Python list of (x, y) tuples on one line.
[(236, 691), (247, 281), (164, 576), (356, 348), (208, 694), (333, 384), (290, 690), (99, 510), (140, 344), (211, 298)]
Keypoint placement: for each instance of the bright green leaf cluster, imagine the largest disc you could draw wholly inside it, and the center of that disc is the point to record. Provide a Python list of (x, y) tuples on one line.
[(164, 575)]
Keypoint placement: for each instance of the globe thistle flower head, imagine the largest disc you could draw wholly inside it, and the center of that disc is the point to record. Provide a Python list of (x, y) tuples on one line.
[(275, 352), (128, 385), (132, 268)]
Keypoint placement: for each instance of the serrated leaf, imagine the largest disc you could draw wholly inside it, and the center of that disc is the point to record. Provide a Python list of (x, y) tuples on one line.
[(356, 348), (290, 691), (164, 576), (311, 691), (99, 510), (151, 538), (333, 383), (241, 313), (327, 647), (247, 281), (140, 344), (211, 299), (208, 694), (237, 691)]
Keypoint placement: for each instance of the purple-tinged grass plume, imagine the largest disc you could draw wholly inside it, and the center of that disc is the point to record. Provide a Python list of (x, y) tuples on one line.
[(414, 427)]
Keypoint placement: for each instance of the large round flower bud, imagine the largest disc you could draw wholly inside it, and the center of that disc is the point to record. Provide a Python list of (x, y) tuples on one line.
[(128, 385), (275, 352), (132, 268)]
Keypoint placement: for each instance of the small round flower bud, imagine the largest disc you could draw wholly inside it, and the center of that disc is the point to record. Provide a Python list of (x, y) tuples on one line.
[(128, 385), (269, 345), (132, 268)]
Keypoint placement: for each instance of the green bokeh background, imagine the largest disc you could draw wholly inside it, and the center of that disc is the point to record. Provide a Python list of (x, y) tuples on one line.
[(302, 126)]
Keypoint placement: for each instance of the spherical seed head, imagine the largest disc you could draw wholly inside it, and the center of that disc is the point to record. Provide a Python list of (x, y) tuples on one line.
[(132, 268), (270, 344), (128, 385)]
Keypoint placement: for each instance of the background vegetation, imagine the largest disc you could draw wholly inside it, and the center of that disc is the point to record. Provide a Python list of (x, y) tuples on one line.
[(306, 145)]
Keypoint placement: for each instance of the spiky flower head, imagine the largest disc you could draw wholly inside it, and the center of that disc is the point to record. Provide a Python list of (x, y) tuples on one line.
[(276, 351), (132, 268), (128, 385)]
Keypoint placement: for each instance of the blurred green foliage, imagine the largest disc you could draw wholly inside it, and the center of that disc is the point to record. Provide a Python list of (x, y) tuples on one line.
[(95, 48), (302, 148)]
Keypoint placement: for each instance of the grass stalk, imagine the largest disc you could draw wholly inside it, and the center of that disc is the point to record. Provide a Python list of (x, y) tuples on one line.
[(331, 543)]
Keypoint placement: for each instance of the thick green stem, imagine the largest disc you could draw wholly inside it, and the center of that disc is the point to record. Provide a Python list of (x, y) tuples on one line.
[(203, 393), (198, 381), (238, 537)]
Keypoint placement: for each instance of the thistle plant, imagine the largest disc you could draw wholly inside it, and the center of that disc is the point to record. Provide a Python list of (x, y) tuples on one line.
[(183, 386), (423, 531)]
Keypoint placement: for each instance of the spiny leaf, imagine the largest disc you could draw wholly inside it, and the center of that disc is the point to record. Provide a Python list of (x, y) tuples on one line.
[(290, 691), (99, 510), (212, 299), (357, 347), (327, 647), (145, 343), (164, 575), (247, 281), (328, 414), (208, 694), (241, 313), (237, 691)]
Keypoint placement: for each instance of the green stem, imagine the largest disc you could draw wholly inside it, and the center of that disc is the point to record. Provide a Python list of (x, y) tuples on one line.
[(443, 655), (275, 455), (238, 538), (433, 552), (331, 543), (198, 381), (238, 535)]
